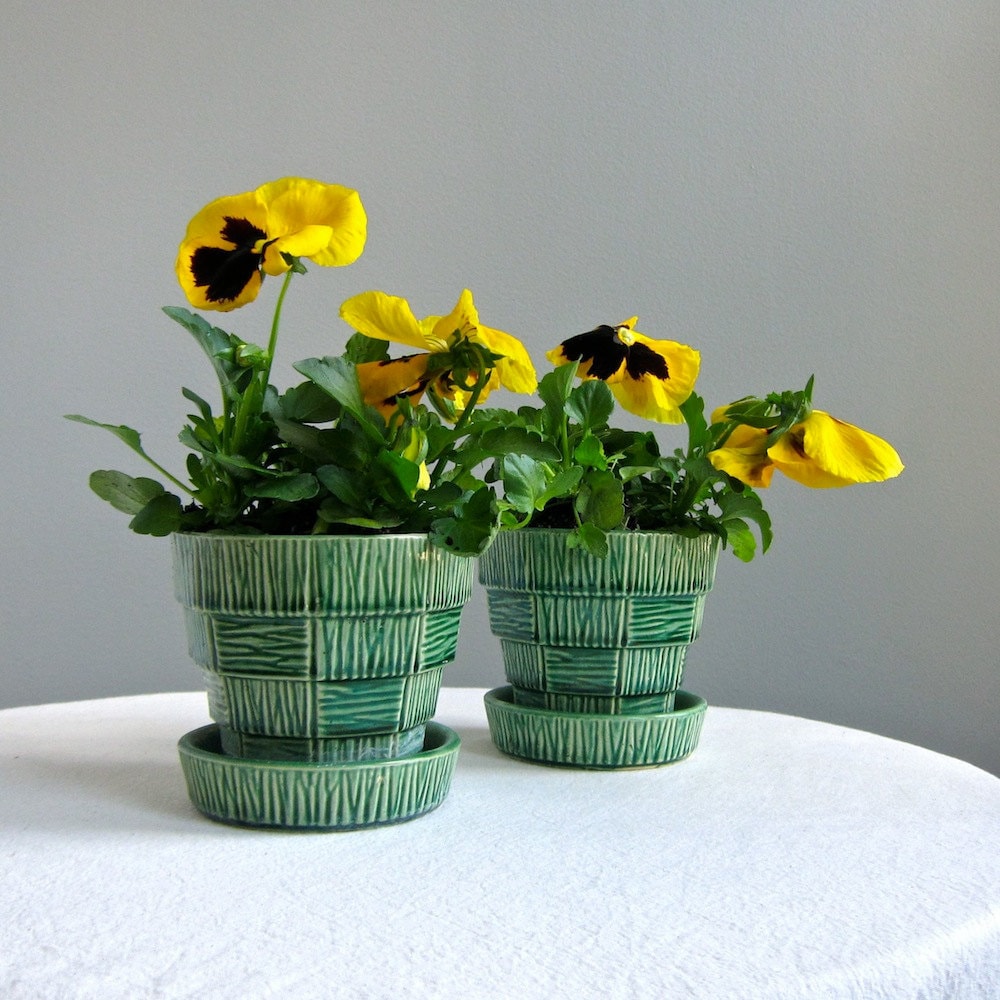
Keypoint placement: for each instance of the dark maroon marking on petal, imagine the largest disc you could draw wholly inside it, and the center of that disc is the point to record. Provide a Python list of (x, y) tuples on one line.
[(395, 361), (605, 352), (241, 233), (601, 347), (643, 360), (223, 273)]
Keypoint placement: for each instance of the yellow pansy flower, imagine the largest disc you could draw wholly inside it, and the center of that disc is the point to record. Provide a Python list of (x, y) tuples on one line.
[(823, 451), (744, 454), (651, 378), (233, 241), (440, 340), (820, 451)]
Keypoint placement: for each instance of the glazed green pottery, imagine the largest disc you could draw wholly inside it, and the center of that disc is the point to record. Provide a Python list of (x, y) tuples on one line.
[(318, 652), (591, 637), (590, 740), (303, 796)]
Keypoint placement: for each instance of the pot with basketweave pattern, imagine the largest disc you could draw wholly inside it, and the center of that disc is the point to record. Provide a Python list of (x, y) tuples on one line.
[(594, 649), (323, 658)]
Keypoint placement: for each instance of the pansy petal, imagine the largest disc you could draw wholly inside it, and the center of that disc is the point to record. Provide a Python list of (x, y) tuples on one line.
[(824, 452), (744, 454), (658, 375), (384, 317), (305, 243), (216, 278), (218, 263), (683, 364), (382, 382), (295, 203), (208, 224), (748, 465), (647, 397), (748, 438), (515, 370), (462, 321)]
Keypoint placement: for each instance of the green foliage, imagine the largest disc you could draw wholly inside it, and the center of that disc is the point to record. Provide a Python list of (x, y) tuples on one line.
[(312, 460), (317, 459), (560, 464)]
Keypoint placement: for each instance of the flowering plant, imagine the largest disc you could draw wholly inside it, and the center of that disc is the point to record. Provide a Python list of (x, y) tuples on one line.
[(366, 443), (371, 443), (562, 465)]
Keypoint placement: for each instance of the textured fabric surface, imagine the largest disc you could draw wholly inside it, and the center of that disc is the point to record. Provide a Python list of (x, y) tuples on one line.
[(785, 859)]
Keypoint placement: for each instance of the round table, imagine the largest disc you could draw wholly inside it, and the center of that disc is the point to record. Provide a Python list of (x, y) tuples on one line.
[(785, 858)]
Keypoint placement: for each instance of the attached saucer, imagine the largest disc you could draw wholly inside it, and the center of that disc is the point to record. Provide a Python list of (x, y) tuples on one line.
[(574, 739), (294, 795)]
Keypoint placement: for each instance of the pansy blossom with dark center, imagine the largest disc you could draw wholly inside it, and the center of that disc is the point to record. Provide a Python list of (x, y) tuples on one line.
[(234, 241), (651, 378)]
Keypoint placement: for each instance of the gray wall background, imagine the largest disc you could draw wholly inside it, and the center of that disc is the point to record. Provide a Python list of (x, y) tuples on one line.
[(790, 187)]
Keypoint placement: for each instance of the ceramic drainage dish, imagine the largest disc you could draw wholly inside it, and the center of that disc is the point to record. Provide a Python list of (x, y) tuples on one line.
[(319, 653), (599, 741), (306, 796), (585, 638)]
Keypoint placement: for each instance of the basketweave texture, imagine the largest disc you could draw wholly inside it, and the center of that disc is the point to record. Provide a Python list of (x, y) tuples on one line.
[(319, 608), (570, 623)]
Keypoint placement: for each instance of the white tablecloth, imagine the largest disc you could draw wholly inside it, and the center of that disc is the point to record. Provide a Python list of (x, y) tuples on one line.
[(785, 859)]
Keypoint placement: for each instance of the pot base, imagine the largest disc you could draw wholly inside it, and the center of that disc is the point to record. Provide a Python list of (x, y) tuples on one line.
[(296, 795), (610, 742), (315, 750)]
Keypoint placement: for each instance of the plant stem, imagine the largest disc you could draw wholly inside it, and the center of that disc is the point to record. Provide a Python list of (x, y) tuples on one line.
[(253, 398), (163, 472), (272, 344), (466, 415)]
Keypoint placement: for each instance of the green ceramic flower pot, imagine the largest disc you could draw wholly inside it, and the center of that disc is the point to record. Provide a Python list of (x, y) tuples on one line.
[(584, 638), (321, 648), (572, 624)]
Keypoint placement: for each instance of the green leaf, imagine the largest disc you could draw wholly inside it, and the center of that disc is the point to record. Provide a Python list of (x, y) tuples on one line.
[(591, 404), (564, 483), (524, 482), (601, 501), (360, 349), (742, 506), (591, 538), (290, 488), (130, 436), (500, 441), (332, 511), (203, 407), (124, 493), (338, 378), (589, 453), (242, 468), (220, 347), (554, 388), (471, 526), (322, 445), (404, 473), (344, 485), (161, 516), (306, 403), (693, 410), (740, 538)]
